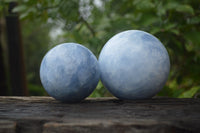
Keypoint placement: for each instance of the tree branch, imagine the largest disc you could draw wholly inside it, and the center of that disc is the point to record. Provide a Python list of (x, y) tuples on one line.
[(88, 26)]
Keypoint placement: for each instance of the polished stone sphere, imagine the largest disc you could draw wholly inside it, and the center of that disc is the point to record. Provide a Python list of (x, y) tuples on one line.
[(69, 72), (134, 65)]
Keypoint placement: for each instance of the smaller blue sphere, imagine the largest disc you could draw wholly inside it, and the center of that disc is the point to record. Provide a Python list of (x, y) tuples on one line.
[(69, 72), (134, 65)]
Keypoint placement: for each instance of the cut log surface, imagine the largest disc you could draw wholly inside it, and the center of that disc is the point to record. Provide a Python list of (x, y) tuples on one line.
[(97, 115)]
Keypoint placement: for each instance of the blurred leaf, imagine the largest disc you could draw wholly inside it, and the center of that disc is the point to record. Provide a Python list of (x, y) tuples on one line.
[(143, 5), (24, 15), (193, 36), (20, 8), (175, 31), (190, 93), (35, 90), (8, 1), (194, 20), (171, 5), (155, 30), (100, 91), (185, 9)]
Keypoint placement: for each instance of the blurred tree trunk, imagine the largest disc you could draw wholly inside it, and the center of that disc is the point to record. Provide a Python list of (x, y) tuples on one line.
[(3, 79), (16, 55)]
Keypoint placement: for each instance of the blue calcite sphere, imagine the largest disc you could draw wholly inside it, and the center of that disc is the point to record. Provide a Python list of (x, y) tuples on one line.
[(69, 72), (134, 65)]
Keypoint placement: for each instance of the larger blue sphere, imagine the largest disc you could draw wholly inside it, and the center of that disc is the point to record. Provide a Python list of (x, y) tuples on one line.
[(69, 72), (134, 65)]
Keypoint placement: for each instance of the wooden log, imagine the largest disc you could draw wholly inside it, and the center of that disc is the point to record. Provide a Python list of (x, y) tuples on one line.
[(46, 115), (7, 126)]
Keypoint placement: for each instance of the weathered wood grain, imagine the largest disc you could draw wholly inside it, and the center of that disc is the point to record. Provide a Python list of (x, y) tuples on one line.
[(46, 115), (7, 126)]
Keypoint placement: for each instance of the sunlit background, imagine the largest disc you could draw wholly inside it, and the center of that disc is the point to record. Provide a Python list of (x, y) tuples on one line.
[(47, 23)]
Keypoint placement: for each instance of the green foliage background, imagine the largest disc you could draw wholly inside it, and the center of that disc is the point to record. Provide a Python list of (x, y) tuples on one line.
[(91, 23)]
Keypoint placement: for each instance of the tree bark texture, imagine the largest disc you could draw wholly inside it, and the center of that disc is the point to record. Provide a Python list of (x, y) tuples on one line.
[(46, 115)]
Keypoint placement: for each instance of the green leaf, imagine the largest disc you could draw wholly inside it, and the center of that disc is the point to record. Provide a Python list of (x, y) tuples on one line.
[(8, 1), (171, 5), (20, 8), (155, 30), (194, 20), (32, 9), (24, 15), (190, 93), (148, 19), (175, 31), (144, 5), (170, 26), (185, 9), (36, 90), (193, 36)]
